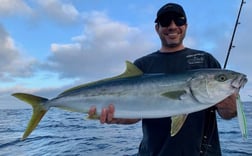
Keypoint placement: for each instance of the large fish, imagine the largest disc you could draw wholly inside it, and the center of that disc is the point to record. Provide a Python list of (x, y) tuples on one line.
[(138, 95)]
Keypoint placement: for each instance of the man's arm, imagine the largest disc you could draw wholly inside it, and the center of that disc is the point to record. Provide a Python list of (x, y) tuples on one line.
[(107, 116), (227, 107)]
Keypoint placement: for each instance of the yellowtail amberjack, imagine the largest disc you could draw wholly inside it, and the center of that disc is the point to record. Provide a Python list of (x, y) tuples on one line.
[(138, 95)]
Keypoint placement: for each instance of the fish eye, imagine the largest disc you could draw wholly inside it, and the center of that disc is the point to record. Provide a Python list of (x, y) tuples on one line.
[(221, 78)]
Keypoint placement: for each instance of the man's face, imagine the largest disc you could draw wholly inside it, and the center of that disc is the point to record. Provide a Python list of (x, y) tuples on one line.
[(171, 30)]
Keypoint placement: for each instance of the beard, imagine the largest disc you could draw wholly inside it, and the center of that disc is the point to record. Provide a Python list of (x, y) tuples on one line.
[(171, 44)]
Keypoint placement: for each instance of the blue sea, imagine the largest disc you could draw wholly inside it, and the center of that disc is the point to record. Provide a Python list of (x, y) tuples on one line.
[(62, 133)]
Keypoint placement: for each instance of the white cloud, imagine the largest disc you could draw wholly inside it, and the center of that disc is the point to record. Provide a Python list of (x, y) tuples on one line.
[(101, 49), (12, 62), (59, 11), (14, 7), (56, 10), (65, 47)]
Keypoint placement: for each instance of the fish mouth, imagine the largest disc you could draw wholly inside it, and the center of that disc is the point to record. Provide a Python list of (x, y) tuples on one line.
[(239, 82)]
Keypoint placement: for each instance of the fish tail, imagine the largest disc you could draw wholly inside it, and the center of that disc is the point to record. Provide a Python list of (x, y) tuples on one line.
[(38, 110)]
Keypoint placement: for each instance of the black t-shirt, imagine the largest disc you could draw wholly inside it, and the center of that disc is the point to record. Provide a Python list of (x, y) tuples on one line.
[(193, 139)]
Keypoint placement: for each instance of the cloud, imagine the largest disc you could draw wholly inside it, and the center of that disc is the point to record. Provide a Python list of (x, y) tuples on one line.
[(12, 62), (58, 11), (14, 7), (101, 49)]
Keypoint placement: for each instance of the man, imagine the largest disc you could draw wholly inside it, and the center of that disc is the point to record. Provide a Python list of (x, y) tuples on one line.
[(199, 134)]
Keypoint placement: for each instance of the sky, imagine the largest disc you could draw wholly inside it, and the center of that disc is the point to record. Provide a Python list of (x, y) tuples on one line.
[(47, 46)]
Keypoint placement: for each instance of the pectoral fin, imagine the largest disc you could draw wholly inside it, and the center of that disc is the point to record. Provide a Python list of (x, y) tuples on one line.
[(176, 95), (177, 123)]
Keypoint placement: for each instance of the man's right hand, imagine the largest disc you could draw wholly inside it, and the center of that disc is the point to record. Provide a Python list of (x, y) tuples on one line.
[(107, 116)]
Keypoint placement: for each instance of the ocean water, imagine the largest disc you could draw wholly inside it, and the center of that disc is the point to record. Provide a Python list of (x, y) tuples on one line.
[(62, 133)]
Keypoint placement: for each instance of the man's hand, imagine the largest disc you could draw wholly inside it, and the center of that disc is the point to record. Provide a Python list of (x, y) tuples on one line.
[(227, 107), (107, 116)]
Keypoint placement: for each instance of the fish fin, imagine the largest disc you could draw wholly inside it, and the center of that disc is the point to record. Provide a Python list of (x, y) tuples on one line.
[(241, 118), (38, 110), (177, 123), (130, 71), (176, 95), (93, 117)]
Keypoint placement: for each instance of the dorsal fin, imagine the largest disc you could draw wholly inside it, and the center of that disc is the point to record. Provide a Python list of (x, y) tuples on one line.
[(130, 71)]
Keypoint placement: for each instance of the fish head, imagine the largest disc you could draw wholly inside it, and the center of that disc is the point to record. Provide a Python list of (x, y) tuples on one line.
[(214, 85)]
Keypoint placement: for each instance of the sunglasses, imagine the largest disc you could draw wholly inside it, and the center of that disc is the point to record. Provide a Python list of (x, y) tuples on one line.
[(166, 21)]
